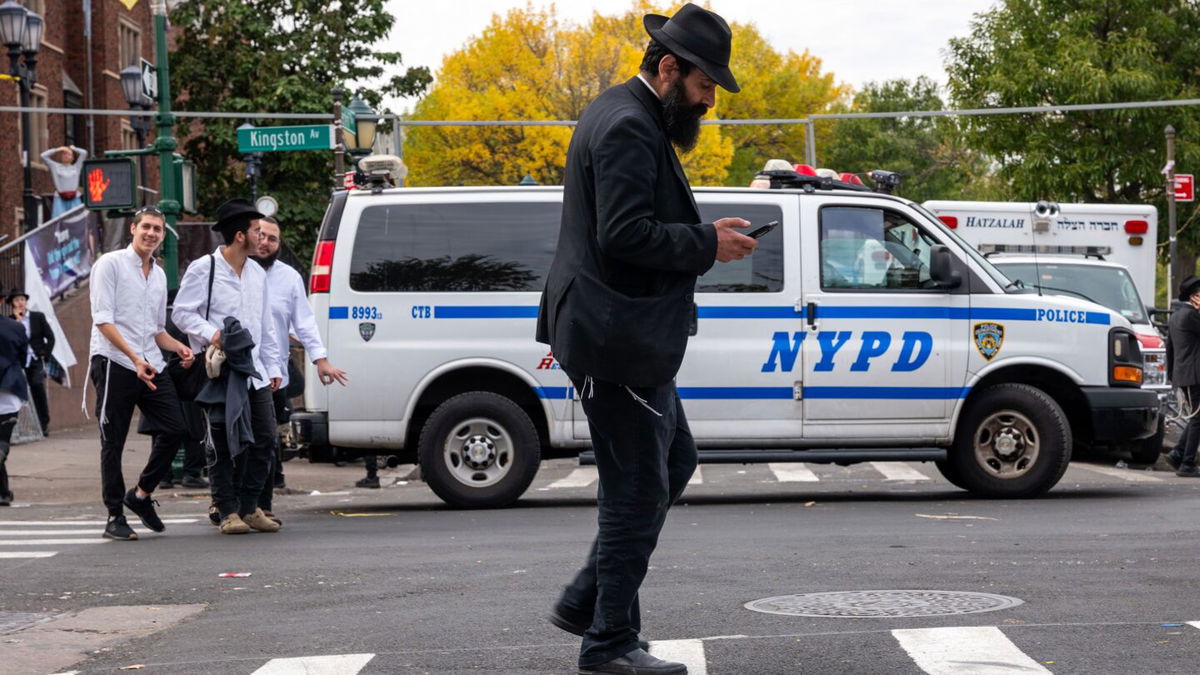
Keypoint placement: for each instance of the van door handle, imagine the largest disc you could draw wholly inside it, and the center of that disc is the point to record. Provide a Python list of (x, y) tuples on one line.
[(810, 315)]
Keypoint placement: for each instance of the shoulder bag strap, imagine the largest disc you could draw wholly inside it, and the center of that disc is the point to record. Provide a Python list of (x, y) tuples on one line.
[(212, 272)]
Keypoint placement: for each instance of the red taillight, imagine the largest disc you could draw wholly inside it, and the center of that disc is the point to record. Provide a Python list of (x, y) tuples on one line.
[(1150, 341), (851, 178), (805, 170), (950, 221), (318, 280), (1136, 227)]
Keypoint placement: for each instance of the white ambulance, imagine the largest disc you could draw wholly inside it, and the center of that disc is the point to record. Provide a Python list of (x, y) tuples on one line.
[(862, 329)]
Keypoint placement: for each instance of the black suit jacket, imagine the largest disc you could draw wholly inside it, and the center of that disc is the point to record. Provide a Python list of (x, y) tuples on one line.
[(619, 297), (14, 345), (41, 338), (1183, 345)]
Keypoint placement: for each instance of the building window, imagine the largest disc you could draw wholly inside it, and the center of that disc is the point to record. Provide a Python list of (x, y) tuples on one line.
[(129, 139), (129, 43), (72, 123), (39, 137)]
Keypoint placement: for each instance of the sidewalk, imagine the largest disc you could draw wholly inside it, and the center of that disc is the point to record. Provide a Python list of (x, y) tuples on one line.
[(65, 469)]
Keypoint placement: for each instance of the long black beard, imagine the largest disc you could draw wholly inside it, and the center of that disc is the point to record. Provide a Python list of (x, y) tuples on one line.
[(266, 261), (682, 119)]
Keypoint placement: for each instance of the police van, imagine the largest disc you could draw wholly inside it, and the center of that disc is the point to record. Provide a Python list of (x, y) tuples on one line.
[(862, 329)]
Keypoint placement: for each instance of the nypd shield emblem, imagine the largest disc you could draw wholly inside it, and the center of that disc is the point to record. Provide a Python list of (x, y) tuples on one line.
[(989, 337), (366, 330)]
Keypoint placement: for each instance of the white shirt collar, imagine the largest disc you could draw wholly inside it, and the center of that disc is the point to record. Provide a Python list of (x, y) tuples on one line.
[(649, 86)]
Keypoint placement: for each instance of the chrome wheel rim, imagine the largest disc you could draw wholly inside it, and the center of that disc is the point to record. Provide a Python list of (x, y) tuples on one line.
[(478, 452), (1006, 445)]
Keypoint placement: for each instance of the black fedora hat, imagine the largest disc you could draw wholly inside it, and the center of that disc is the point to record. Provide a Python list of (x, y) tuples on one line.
[(1188, 287), (16, 292), (699, 36), (234, 212)]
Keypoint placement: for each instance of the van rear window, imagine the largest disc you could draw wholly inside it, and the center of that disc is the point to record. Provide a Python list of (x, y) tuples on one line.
[(463, 248)]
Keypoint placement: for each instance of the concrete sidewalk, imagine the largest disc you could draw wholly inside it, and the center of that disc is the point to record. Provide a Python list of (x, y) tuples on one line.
[(65, 469)]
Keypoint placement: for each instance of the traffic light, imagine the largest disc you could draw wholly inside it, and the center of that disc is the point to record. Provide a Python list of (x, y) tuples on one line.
[(109, 184)]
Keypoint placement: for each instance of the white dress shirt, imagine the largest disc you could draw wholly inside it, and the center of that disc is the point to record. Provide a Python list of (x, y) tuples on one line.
[(246, 298), (28, 334), (649, 86), (133, 302), (292, 315)]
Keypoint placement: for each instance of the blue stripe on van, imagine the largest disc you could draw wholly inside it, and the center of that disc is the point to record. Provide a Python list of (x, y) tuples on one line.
[(339, 312), (786, 393), (736, 393), (484, 312)]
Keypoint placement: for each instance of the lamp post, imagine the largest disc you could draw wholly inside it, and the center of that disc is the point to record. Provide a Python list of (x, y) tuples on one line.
[(360, 143), (131, 86), (253, 165), (21, 33)]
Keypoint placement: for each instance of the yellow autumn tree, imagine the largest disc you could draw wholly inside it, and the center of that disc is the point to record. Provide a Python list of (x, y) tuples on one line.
[(528, 65)]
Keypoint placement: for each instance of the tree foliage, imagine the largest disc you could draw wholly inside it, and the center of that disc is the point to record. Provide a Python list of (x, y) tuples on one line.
[(276, 55), (530, 65), (928, 152)]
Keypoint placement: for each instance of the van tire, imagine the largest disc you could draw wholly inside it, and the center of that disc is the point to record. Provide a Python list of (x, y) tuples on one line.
[(1013, 441), (946, 468), (479, 450)]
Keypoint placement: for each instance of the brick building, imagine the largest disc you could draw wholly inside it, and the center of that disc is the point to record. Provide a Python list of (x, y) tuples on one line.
[(122, 33)]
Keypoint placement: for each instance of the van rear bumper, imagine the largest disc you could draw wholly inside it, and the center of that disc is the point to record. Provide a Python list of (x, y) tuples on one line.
[(1122, 414), (310, 428)]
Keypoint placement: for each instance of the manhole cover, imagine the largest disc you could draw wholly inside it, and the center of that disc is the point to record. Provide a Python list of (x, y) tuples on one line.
[(882, 604)]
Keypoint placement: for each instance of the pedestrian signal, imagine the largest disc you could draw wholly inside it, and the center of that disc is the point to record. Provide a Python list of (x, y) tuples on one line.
[(109, 184)]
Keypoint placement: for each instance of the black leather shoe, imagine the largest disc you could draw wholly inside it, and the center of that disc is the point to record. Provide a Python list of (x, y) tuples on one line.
[(637, 662), (1172, 460), (559, 619), (165, 484), (144, 508), (194, 482), (371, 482), (1188, 472)]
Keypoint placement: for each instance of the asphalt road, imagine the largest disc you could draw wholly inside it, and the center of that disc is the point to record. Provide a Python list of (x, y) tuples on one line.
[(390, 581)]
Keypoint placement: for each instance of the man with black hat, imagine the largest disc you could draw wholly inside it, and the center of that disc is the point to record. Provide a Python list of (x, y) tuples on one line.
[(1183, 363), (217, 286), (129, 313), (617, 309), (13, 346), (41, 346)]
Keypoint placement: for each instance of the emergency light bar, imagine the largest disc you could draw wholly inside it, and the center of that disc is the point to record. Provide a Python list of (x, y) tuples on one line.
[(1087, 251)]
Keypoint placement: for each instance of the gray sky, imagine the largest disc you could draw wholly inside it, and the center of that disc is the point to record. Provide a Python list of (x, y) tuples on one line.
[(858, 40)]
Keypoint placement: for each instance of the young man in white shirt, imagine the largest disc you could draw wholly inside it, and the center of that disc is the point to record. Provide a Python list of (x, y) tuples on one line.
[(239, 289), (292, 316), (129, 313)]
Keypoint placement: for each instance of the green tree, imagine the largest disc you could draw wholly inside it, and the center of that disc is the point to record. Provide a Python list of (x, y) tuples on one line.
[(928, 152), (277, 55)]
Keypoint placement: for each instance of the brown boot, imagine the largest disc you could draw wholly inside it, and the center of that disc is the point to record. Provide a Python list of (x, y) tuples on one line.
[(259, 521), (233, 524)]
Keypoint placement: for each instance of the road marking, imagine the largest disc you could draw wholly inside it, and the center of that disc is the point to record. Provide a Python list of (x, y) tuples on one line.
[(12, 555), (581, 477), (1123, 474), (1194, 624), (792, 472), (688, 652), (697, 478), (338, 664), (97, 531), (69, 523), (898, 471), (977, 650), (51, 542)]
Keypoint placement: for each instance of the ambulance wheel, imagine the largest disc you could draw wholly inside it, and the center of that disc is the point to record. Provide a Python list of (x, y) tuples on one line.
[(1013, 441), (478, 450), (1147, 450)]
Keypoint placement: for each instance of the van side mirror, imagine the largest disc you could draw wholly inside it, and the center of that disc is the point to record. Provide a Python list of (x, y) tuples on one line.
[(941, 267)]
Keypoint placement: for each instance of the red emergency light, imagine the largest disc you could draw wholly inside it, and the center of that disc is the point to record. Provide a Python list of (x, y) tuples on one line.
[(1136, 227), (805, 170), (950, 221), (850, 178)]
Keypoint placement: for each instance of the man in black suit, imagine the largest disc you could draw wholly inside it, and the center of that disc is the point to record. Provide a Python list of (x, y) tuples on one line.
[(1183, 363), (41, 346), (14, 345), (617, 308)]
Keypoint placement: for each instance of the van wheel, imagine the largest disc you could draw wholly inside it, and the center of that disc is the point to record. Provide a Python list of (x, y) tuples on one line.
[(1013, 441), (946, 468), (479, 450), (1147, 450)]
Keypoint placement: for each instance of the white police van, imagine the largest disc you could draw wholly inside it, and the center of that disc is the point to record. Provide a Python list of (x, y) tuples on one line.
[(862, 329)]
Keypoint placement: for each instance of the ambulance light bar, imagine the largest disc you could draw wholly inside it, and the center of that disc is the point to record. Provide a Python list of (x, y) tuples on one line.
[(1045, 249)]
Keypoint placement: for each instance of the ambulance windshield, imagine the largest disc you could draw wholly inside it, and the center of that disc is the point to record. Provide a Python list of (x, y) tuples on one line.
[(1101, 284)]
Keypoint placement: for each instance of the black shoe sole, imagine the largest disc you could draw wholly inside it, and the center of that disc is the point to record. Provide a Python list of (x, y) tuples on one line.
[(109, 535)]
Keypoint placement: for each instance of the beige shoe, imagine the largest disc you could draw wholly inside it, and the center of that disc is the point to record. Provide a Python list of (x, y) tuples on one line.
[(233, 524), (273, 518), (259, 521)]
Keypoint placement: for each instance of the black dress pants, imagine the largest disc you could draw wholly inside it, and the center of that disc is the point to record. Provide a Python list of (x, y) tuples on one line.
[(645, 455), (237, 482), (193, 445), (283, 412), (1189, 440), (8, 422), (35, 374), (118, 391)]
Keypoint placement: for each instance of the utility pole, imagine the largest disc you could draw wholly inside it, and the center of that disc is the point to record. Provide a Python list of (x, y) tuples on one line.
[(165, 143), (1173, 266), (339, 152)]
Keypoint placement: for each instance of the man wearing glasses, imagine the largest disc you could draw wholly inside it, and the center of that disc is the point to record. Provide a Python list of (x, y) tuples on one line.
[(129, 313)]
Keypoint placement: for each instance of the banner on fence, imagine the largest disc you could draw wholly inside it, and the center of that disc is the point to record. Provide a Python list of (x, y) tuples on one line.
[(63, 251)]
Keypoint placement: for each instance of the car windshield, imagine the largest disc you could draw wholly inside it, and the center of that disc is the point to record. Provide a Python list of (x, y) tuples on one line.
[(1108, 286)]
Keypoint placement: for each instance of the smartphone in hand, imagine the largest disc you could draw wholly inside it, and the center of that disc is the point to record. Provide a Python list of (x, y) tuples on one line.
[(758, 234)]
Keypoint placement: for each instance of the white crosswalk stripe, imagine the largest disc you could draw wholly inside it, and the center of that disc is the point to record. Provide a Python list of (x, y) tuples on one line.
[(898, 471), (12, 555), (336, 664), (970, 650), (30, 536), (792, 472), (581, 477), (1124, 474), (697, 478), (688, 652)]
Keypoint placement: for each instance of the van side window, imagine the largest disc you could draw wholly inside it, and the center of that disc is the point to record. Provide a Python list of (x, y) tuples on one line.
[(456, 248), (872, 249), (758, 273)]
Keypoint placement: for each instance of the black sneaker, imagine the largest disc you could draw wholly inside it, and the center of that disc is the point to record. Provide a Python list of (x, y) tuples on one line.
[(144, 508), (6, 499), (368, 482), (195, 482), (1188, 472), (1172, 460), (165, 484), (117, 528)]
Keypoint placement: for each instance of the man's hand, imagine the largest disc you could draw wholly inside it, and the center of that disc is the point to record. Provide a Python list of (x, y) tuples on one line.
[(145, 372), (732, 245), (329, 374), (186, 357), (276, 383), (216, 339)]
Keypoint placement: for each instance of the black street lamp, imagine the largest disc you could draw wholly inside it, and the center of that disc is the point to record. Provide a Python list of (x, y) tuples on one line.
[(21, 33), (131, 86), (253, 162)]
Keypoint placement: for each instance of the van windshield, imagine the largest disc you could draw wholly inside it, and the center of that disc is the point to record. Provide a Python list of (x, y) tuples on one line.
[(1108, 286), (983, 262)]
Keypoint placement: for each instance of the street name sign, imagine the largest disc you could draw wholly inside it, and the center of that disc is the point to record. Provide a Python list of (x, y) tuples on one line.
[(1185, 187), (149, 81), (286, 139)]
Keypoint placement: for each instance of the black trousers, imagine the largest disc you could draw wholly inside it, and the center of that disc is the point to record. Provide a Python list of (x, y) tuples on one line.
[(1185, 449), (36, 375), (283, 412), (118, 391), (237, 482), (645, 455), (8, 422), (193, 442)]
